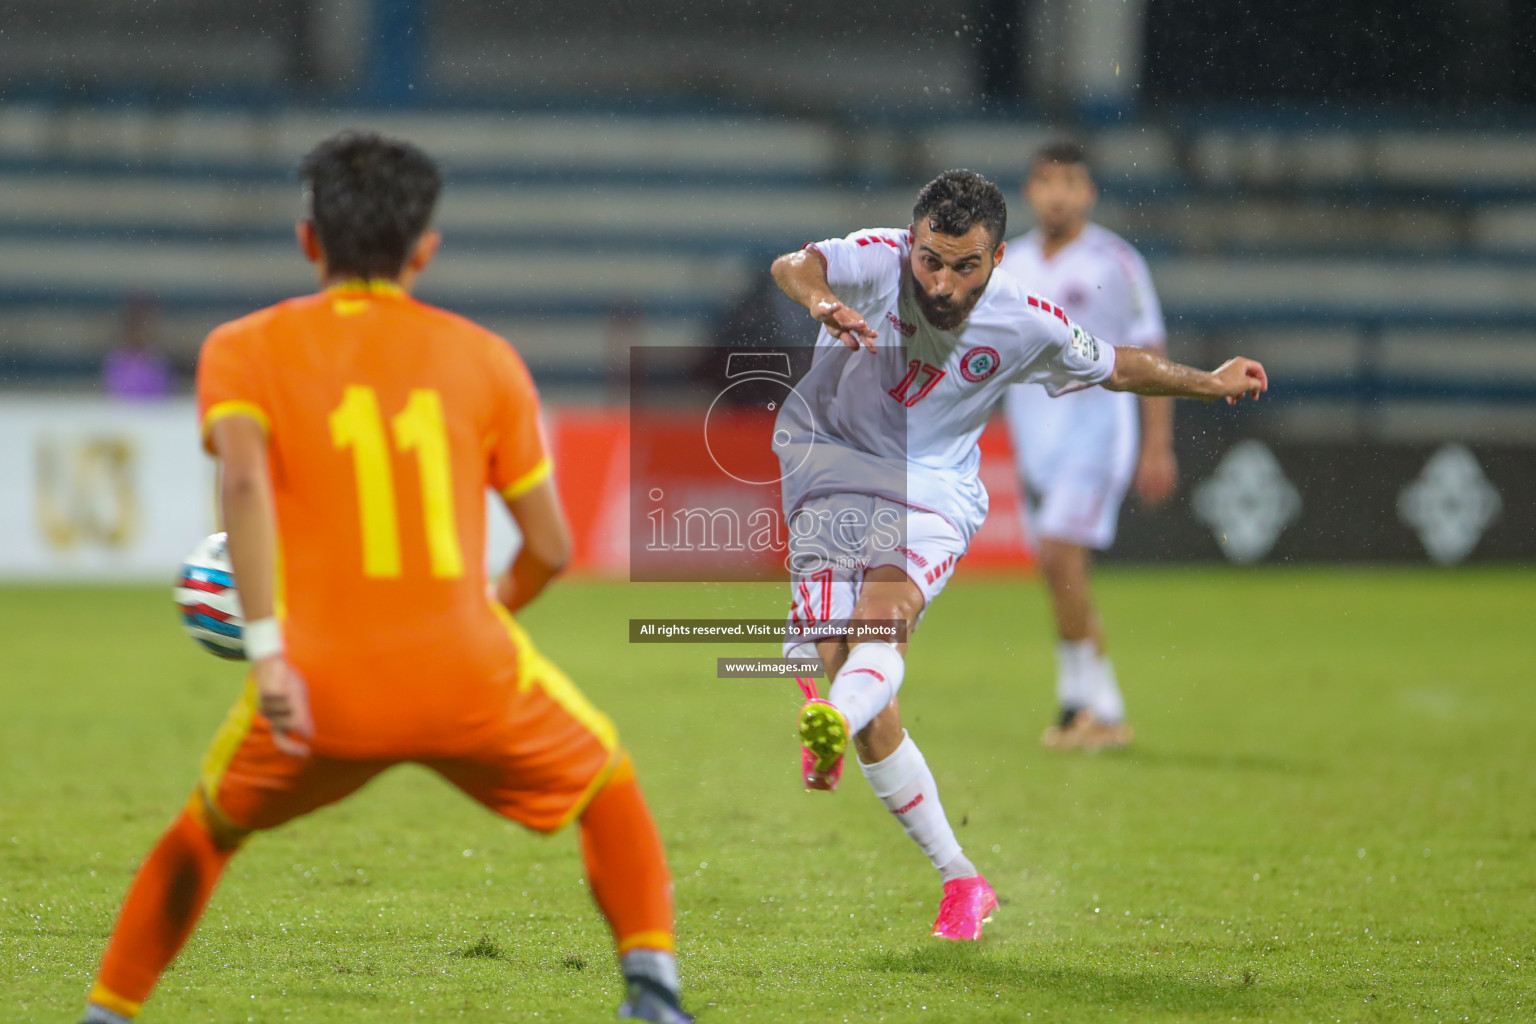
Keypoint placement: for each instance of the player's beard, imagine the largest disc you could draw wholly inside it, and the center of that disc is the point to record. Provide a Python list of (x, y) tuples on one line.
[(949, 313)]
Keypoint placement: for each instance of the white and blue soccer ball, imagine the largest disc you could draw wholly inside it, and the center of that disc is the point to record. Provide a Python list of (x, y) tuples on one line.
[(208, 600)]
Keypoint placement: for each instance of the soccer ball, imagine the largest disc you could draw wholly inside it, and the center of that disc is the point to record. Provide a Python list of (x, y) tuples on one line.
[(208, 600)]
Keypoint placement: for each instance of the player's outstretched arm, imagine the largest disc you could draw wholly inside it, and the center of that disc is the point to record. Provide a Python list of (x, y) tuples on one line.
[(245, 500), (803, 277), (1149, 373), (546, 545)]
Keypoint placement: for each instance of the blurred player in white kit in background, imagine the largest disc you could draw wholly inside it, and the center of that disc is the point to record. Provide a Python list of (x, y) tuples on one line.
[(1078, 453)]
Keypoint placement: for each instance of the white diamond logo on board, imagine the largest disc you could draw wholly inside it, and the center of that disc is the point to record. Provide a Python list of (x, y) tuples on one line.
[(1248, 502), (1450, 504)]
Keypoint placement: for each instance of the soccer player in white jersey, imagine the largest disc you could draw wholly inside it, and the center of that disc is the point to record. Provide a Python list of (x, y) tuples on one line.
[(1078, 454), (919, 344)]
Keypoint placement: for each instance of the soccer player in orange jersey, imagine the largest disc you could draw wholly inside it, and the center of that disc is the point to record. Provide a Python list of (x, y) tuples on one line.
[(357, 430)]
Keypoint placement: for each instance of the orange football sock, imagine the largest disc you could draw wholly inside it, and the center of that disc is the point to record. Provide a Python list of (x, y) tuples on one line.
[(163, 905), (626, 865)]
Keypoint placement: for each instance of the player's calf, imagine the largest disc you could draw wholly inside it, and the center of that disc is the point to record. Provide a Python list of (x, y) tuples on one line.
[(162, 907), (627, 869), (867, 682)]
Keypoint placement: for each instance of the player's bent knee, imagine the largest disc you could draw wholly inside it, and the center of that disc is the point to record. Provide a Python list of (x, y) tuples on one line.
[(621, 773), (881, 609), (226, 834), (1061, 561)]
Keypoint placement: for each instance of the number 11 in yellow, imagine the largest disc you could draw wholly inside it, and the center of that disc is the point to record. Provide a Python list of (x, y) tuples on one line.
[(357, 423)]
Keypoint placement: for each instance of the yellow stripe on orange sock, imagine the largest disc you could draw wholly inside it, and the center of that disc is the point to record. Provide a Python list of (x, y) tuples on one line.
[(107, 999), (648, 940)]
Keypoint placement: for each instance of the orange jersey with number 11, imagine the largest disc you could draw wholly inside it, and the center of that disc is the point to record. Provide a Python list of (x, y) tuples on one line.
[(386, 420)]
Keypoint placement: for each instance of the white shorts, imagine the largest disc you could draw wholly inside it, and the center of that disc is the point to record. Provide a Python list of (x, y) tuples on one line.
[(837, 538), (1076, 456), (1078, 506)]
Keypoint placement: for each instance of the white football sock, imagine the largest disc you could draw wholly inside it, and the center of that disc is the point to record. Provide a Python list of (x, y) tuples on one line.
[(906, 787), (1106, 703), (867, 682), (1075, 664)]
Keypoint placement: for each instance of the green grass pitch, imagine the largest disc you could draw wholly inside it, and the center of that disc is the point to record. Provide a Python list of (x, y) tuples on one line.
[(1329, 815)]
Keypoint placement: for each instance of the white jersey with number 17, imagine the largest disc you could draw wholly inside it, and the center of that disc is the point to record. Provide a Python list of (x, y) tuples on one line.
[(904, 422)]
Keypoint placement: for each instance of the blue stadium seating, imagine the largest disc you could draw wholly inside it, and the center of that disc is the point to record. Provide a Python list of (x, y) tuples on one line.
[(1379, 267)]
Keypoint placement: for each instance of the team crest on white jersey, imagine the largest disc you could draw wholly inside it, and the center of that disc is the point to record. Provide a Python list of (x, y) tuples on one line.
[(979, 363), (1085, 344)]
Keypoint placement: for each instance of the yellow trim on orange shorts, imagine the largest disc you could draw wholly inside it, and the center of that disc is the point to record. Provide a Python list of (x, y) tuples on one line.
[(109, 1000), (226, 834), (648, 940), (528, 481), (617, 760), (237, 724), (533, 669), (548, 677), (623, 772), (519, 640), (235, 407)]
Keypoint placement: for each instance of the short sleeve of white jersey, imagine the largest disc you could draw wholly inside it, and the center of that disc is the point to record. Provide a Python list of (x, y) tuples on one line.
[(863, 267), (1146, 327), (1073, 360)]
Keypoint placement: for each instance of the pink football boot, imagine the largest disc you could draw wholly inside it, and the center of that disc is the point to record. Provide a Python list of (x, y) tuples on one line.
[(967, 905), (823, 735), (816, 779)]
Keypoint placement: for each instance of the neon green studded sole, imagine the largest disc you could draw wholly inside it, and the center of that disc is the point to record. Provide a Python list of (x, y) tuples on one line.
[(824, 732)]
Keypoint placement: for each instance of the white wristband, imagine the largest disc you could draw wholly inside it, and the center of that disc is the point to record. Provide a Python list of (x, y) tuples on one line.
[(263, 638)]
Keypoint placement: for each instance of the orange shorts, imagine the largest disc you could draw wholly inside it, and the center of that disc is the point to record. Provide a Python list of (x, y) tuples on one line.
[(550, 756)]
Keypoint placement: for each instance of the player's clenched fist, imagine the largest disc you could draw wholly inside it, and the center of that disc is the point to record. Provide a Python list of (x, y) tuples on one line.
[(844, 324), (1239, 377), (284, 702)]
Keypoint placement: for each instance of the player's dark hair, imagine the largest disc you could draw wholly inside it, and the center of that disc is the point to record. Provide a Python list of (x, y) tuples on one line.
[(955, 201), (370, 198), (1061, 151)]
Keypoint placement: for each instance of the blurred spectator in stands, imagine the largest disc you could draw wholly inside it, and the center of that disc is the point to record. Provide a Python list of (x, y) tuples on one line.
[(134, 369)]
